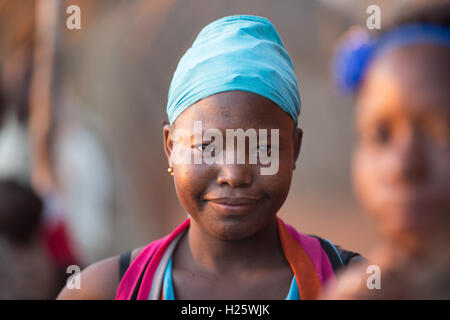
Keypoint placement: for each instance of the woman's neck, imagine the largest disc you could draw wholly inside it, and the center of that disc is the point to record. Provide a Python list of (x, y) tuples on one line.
[(427, 249), (203, 252)]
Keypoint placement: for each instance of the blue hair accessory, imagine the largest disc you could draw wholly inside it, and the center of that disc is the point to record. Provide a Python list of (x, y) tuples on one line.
[(359, 49)]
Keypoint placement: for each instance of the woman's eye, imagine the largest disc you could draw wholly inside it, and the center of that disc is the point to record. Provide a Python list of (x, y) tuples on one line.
[(202, 147), (264, 148), (381, 133)]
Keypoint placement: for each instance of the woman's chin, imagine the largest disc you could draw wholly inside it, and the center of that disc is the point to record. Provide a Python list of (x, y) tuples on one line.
[(232, 227), (411, 229), (231, 230)]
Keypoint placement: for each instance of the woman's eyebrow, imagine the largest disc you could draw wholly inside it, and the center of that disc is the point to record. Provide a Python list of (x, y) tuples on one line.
[(203, 140), (282, 136)]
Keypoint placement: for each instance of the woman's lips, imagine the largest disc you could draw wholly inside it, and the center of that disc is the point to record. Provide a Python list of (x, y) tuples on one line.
[(233, 205)]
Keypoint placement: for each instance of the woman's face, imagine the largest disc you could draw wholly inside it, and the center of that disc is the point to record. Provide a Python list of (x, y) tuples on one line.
[(401, 163), (233, 201)]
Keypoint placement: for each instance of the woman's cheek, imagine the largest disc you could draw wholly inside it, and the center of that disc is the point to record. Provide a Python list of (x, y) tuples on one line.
[(368, 176), (441, 179), (364, 173), (277, 186), (189, 184)]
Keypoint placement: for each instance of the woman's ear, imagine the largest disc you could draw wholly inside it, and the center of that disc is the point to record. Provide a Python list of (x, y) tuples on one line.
[(298, 136), (168, 143)]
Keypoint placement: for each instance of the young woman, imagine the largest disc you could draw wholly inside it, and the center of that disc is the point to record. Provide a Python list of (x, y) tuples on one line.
[(401, 167), (236, 76)]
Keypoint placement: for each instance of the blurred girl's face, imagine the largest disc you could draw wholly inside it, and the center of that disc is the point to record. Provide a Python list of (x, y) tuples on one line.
[(233, 201), (401, 166)]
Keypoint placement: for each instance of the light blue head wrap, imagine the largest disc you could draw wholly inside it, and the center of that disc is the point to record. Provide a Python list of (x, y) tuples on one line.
[(235, 53)]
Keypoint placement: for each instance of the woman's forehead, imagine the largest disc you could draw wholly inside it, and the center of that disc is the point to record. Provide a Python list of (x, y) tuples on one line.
[(411, 81), (417, 65), (235, 109)]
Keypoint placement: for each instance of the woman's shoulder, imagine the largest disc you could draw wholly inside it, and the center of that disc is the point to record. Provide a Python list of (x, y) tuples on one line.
[(98, 281)]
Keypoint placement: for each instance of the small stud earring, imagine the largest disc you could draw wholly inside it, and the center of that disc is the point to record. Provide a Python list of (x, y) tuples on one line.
[(170, 170)]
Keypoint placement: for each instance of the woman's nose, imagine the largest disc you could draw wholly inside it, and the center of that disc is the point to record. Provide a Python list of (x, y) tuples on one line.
[(410, 160), (235, 175)]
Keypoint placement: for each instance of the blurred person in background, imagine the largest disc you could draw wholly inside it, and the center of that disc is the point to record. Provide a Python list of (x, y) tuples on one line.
[(26, 269), (401, 167), (17, 154)]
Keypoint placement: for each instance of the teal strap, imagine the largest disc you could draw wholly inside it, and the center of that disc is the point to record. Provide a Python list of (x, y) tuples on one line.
[(335, 250), (169, 294), (293, 293), (168, 283)]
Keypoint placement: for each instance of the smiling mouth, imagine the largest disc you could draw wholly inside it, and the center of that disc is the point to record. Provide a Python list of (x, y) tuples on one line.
[(234, 205)]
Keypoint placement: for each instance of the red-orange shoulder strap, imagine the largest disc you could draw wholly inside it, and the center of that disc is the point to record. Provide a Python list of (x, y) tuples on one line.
[(308, 281)]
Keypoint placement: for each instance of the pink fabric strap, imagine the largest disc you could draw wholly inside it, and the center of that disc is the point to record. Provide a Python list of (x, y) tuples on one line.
[(150, 257), (315, 252)]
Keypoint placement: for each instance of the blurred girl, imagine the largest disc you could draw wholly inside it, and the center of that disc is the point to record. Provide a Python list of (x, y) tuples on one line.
[(401, 166), (26, 269)]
